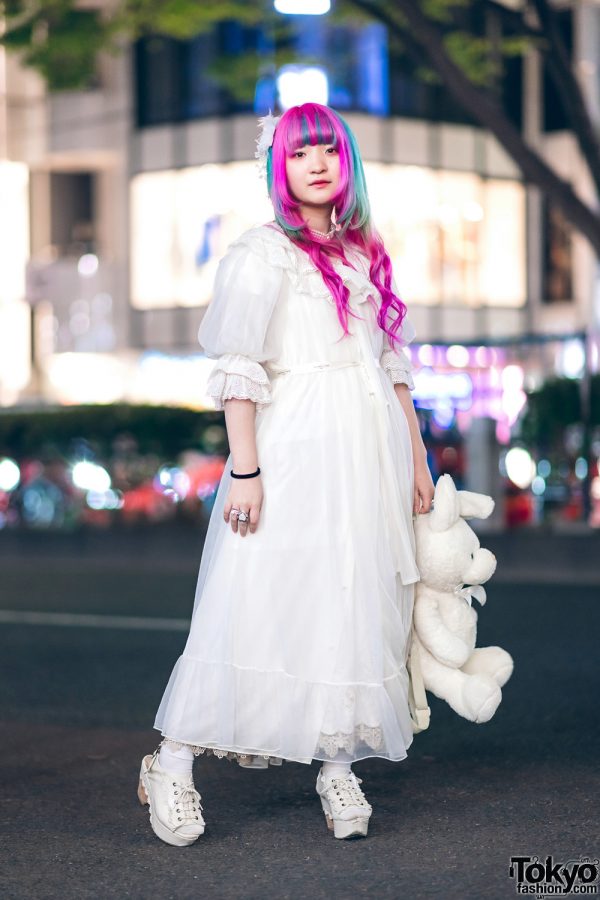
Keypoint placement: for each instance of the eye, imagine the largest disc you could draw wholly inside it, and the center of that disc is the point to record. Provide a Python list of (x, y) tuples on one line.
[(332, 149), (301, 152)]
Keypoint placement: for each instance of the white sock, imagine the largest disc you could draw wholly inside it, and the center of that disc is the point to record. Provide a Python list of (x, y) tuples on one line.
[(179, 761), (335, 770)]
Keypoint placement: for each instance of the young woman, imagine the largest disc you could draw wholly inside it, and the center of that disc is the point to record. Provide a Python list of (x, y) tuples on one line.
[(299, 636)]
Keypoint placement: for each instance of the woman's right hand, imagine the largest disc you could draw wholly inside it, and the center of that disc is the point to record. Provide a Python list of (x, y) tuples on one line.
[(245, 494)]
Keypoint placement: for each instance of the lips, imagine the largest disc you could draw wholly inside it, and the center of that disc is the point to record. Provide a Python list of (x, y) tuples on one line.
[(319, 182)]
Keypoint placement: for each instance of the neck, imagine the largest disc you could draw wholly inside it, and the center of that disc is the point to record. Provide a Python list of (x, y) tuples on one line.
[(317, 217)]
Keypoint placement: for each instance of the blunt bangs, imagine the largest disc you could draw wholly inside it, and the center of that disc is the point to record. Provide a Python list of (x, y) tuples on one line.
[(306, 126)]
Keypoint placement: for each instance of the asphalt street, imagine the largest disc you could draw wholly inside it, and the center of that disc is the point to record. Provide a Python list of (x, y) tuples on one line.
[(77, 704)]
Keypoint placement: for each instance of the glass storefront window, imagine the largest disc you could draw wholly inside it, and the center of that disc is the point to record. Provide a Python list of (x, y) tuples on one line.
[(453, 237), (557, 249), (174, 81), (182, 223)]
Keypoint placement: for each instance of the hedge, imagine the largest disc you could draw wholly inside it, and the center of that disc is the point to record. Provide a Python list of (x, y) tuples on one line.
[(162, 430)]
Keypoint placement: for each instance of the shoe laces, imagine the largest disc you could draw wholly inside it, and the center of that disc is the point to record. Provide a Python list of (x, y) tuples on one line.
[(187, 801), (347, 791)]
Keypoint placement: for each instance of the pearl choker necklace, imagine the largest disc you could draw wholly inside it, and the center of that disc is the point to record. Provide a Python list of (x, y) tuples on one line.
[(325, 234)]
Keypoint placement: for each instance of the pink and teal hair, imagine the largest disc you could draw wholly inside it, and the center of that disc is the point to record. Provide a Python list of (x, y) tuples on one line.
[(313, 123)]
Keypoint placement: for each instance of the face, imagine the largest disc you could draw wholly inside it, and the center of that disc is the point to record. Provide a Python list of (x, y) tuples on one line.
[(313, 174)]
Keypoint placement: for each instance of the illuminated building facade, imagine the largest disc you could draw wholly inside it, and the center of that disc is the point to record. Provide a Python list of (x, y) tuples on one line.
[(124, 197)]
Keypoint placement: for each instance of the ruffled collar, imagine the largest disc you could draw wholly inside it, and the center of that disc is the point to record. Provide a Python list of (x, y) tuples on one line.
[(356, 278), (279, 250)]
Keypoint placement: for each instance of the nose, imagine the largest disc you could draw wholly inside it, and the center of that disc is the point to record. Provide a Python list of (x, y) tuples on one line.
[(318, 162)]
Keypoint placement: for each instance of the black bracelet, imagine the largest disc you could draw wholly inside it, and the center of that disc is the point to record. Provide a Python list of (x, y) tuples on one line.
[(249, 475)]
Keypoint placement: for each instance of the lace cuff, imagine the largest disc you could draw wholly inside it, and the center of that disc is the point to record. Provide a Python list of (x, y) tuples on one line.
[(237, 376), (398, 366)]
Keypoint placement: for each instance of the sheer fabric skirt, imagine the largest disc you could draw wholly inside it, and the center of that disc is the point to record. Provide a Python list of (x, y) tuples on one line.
[(298, 640)]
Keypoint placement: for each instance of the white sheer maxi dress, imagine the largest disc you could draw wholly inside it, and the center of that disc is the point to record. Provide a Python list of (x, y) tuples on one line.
[(299, 634)]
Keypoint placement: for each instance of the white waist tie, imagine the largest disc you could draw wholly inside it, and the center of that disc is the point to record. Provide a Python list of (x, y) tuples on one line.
[(400, 527), (307, 368)]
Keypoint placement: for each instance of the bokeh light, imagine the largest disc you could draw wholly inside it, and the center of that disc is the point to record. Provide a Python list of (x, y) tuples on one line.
[(520, 467), (90, 477), (302, 7), (87, 265), (10, 474), (302, 84)]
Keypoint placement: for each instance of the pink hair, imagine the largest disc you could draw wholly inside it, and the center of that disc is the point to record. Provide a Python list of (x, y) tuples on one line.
[(313, 123)]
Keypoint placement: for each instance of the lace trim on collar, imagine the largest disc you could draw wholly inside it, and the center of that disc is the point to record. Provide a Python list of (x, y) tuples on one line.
[(275, 248)]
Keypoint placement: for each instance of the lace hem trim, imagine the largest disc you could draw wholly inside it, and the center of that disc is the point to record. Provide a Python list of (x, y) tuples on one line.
[(251, 760), (331, 744), (398, 367), (237, 376)]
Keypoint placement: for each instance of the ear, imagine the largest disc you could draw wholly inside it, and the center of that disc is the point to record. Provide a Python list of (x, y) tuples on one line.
[(446, 509), (473, 505)]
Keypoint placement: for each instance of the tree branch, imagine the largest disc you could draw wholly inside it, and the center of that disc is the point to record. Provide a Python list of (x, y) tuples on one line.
[(548, 40), (488, 113), (516, 21), (569, 89)]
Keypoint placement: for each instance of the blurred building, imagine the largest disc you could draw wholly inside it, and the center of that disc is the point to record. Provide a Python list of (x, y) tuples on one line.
[(123, 197)]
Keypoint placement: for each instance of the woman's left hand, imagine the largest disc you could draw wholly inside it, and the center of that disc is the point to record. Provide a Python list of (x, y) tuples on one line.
[(424, 488)]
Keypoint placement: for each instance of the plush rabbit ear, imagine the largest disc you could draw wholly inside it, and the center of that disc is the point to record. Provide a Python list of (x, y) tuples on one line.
[(473, 505), (446, 508)]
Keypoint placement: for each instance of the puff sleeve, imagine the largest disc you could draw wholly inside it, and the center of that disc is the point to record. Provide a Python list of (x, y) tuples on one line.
[(396, 362), (235, 327)]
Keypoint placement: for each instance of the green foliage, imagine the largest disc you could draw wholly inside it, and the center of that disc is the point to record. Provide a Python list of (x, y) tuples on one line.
[(239, 73), (427, 75), (475, 56), (162, 430), (555, 406), (61, 41), (444, 11), (182, 18), (515, 46)]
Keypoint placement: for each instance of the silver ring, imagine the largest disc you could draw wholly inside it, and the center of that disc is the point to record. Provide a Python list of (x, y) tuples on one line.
[(243, 517)]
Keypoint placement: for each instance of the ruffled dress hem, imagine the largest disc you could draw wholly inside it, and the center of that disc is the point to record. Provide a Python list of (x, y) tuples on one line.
[(341, 721)]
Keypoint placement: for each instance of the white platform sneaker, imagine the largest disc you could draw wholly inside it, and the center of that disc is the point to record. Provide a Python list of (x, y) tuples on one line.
[(175, 808), (346, 809)]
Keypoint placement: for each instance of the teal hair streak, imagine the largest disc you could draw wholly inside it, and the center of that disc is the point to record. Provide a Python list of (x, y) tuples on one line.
[(359, 213)]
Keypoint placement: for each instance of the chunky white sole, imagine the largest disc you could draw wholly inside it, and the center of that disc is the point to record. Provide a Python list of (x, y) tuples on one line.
[(160, 830), (345, 828)]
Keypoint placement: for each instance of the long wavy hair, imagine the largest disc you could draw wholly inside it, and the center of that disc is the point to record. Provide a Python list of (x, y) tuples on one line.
[(313, 123)]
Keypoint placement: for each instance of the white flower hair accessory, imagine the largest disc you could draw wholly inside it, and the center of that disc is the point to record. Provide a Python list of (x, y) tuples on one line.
[(267, 126)]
